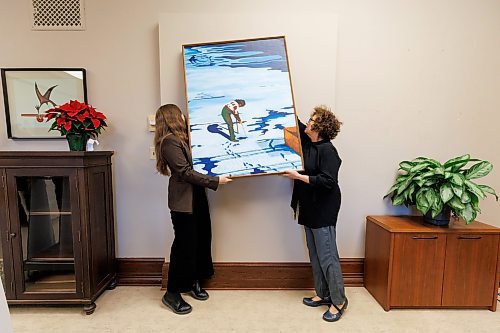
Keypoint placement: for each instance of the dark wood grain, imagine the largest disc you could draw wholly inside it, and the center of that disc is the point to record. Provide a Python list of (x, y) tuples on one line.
[(417, 269), (430, 266), (90, 214), (471, 264), (275, 275), (139, 271), (377, 265), (417, 224)]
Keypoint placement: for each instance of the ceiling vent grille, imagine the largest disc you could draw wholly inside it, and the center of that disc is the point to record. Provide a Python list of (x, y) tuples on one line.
[(58, 15)]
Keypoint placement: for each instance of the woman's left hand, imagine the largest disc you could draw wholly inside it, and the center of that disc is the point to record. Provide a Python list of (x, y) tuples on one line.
[(292, 174)]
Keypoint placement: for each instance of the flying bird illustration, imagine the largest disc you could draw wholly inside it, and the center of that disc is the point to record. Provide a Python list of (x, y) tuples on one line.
[(45, 98)]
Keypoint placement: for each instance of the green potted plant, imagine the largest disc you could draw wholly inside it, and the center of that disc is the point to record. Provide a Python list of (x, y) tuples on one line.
[(437, 189)]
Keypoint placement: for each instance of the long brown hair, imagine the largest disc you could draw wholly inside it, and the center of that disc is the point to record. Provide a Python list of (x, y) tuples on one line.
[(168, 121)]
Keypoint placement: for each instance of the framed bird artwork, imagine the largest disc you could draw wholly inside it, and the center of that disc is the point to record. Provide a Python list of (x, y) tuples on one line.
[(29, 92)]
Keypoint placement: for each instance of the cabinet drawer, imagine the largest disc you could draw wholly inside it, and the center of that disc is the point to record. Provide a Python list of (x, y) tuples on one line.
[(417, 269), (470, 269)]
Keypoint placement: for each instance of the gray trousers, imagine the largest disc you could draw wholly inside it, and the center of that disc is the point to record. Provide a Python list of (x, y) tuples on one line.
[(325, 263)]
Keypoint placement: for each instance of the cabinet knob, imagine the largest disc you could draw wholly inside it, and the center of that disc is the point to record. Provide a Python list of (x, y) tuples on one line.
[(12, 235)]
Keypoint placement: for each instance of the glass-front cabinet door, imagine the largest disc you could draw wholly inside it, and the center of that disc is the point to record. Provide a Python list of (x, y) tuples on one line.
[(45, 232)]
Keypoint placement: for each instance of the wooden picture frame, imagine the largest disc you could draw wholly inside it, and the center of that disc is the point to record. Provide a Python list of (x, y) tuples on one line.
[(29, 92), (241, 110)]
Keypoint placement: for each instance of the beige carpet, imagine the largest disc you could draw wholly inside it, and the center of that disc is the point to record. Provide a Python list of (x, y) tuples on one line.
[(139, 309)]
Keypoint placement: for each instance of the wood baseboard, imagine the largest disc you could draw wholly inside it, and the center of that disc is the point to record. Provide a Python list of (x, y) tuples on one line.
[(139, 271), (153, 271)]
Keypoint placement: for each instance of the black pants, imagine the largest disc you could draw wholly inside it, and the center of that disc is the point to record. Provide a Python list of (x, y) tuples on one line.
[(191, 253)]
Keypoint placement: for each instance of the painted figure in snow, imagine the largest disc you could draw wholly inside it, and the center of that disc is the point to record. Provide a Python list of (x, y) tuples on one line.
[(229, 109)]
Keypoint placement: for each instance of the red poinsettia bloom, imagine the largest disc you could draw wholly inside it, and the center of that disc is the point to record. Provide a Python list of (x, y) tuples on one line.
[(76, 118)]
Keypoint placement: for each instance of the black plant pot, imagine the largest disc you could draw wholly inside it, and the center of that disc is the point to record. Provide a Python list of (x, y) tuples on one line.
[(442, 219)]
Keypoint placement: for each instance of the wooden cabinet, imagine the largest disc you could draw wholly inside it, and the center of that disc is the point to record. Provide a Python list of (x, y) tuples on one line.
[(57, 227), (409, 264), (419, 258)]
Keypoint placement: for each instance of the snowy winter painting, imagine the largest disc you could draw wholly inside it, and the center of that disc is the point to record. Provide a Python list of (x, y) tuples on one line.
[(240, 106)]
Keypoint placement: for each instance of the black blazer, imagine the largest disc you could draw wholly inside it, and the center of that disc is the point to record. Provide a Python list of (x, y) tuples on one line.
[(180, 187), (318, 202)]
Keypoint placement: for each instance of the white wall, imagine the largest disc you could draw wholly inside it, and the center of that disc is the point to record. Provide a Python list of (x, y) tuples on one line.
[(258, 208), (413, 78)]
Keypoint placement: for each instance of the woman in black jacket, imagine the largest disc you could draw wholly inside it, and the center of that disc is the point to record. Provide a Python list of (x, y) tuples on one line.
[(316, 200), (191, 254)]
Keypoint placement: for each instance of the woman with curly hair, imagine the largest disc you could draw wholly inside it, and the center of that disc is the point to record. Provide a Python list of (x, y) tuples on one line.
[(316, 201)]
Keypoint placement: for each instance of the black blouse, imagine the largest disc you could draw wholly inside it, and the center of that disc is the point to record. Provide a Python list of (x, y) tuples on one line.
[(318, 202)]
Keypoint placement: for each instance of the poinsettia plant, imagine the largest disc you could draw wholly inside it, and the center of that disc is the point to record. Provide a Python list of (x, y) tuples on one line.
[(76, 118)]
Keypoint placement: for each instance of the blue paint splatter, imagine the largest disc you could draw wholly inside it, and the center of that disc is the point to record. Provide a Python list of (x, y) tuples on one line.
[(262, 122), (283, 147), (257, 171), (208, 164), (201, 60), (268, 54), (204, 96)]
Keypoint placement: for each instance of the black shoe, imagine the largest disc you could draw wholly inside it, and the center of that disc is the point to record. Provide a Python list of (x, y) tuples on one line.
[(331, 317), (175, 302), (310, 302), (198, 292)]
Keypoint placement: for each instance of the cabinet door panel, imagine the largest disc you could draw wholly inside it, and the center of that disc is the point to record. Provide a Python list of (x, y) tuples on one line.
[(470, 269), (99, 227), (44, 221), (417, 269)]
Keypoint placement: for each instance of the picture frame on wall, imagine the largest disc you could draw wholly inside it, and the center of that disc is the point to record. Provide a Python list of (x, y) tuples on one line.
[(241, 110), (29, 92)]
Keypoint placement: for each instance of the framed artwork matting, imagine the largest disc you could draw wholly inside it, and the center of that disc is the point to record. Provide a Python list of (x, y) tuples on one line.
[(29, 92)]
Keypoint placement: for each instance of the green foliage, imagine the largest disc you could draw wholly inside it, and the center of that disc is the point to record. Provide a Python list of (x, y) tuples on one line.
[(430, 186)]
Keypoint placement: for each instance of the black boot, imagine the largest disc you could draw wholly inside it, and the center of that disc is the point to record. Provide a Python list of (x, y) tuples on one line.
[(175, 302), (198, 292)]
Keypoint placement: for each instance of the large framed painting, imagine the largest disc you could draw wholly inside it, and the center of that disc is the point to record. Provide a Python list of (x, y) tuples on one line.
[(241, 110), (29, 92)]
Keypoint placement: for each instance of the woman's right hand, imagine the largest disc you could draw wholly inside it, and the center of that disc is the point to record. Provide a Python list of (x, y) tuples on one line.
[(224, 180)]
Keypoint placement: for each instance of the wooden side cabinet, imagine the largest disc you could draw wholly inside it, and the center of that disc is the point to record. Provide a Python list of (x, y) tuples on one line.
[(410, 264), (57, 227)]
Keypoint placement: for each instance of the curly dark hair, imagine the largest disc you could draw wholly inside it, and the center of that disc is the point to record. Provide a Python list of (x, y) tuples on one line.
[(325, 123)]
